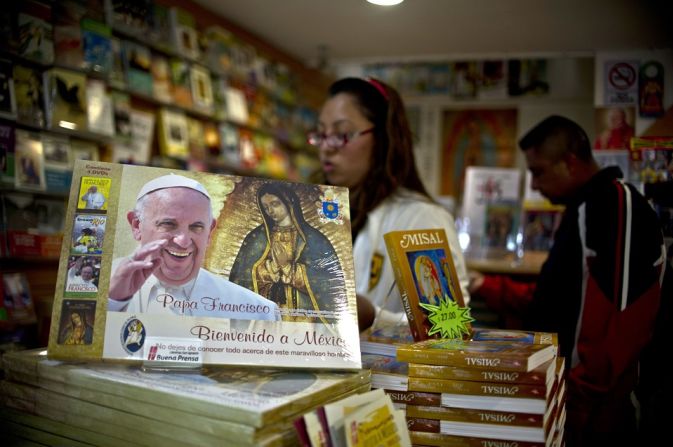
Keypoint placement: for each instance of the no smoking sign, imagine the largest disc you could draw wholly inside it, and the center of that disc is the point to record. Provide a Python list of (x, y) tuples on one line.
[(622, 76), (621, 83)]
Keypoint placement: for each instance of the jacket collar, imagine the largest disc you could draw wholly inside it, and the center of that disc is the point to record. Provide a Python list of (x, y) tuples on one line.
[(602, 177)]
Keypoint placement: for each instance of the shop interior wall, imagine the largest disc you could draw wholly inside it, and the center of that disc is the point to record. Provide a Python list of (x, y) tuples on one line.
[(571, 94)]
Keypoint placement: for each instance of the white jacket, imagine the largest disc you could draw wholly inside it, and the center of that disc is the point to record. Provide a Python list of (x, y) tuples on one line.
[(404, 210)]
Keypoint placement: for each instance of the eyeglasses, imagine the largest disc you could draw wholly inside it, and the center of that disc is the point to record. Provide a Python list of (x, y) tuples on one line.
[(334, 141)]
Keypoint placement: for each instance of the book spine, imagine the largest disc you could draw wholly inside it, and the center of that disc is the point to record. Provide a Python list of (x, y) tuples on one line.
[(417, 328), (476, 388), (484, 375), (48, 92), (446, 358), (476, 416), (415, 398), (422, 424), (444, 440), (302, 435), (322, 417)]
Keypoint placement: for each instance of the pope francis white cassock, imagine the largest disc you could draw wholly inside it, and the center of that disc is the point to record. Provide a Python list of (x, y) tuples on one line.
[(173, 222)]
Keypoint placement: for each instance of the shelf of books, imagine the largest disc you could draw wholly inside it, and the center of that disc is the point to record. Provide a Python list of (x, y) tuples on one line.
[(141, 83), (132, 82)]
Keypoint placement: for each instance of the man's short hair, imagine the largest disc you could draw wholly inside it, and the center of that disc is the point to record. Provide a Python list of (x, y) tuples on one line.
[(571, 136)]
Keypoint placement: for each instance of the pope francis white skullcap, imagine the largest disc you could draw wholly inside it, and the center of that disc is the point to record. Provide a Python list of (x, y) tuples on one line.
[(172, 181)]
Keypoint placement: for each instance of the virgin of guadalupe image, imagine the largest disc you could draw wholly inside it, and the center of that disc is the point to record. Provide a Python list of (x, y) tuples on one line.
[(76, 330), (290, 262), (428, 281)]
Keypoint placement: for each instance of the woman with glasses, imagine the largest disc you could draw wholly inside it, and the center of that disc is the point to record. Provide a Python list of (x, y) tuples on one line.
[(365, 144)]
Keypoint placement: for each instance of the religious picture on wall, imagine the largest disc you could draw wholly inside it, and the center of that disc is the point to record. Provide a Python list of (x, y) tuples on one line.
[(475, 138), (651, 90), (614, 127)]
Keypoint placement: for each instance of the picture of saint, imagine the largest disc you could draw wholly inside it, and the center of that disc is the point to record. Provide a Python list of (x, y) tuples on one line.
[(430, 271), (475, 137), (288, 261), (76, 325), (430, 289), (614, 127), (77, 332)]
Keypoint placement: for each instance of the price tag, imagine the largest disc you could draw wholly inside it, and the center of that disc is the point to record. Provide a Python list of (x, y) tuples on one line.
[(448, 319)]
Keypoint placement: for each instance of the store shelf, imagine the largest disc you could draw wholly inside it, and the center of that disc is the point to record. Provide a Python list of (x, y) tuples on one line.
[(508, 264)]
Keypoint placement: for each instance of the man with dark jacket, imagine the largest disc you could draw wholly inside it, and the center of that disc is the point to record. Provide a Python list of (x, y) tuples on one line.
[(600, 288)]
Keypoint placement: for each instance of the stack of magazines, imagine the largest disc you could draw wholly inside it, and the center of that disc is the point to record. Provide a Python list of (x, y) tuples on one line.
[(495, 391), (107, 405)]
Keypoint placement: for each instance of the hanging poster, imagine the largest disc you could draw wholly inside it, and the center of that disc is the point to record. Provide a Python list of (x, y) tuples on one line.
[(475, 138), (651, 90), (527, 77), (614, 127)]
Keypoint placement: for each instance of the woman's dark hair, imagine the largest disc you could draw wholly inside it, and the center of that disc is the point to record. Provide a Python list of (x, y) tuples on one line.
[(392, 163)]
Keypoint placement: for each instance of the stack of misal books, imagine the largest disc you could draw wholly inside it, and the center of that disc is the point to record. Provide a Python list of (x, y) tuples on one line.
[(484, 391), (379, 348), (105, 404)]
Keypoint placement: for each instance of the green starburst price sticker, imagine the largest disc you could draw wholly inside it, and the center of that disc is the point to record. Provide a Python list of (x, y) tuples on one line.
[(448, 319)]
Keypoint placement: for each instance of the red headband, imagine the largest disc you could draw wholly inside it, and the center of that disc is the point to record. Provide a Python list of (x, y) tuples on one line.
[(379, 87)]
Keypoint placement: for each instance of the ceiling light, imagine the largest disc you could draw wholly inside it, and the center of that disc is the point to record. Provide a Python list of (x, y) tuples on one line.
[(386, 2)]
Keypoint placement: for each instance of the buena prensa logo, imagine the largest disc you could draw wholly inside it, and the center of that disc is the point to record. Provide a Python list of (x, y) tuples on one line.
[(153, 352), (132, 335)]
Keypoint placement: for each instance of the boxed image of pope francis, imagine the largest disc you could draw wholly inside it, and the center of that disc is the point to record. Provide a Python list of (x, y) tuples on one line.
[(193, 268)]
